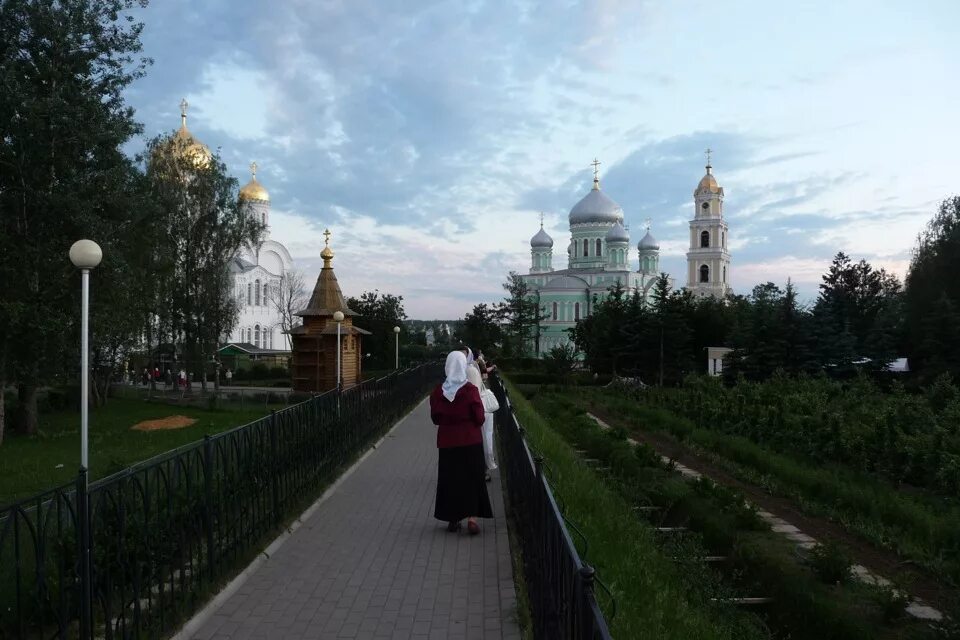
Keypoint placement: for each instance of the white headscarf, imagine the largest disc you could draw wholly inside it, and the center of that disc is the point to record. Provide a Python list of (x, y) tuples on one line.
[(473, 376), (469, 356), (456, 370)]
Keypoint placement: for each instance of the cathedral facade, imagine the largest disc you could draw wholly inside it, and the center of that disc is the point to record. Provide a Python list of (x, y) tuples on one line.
[(257, 275), (598, 258)]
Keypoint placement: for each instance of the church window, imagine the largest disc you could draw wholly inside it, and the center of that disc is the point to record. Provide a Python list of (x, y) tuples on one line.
[(705, 206), (554, 310), (576, 312), (704, 273), (256, 336), (704, 238), (723, 239), (724, 274), (249, 336), (249, 294), (586, 247), (599, 248), (256, 293)]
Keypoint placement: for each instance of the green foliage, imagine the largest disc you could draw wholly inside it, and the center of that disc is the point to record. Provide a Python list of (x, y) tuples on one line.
[(379, 313), (481, 330), (831, 562), (520, 316)]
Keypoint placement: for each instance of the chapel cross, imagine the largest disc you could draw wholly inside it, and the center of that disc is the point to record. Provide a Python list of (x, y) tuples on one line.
[(183, 111), (596, 171), (326, 237), (709, 151), (253, 170), (647, 222), (541, 219)]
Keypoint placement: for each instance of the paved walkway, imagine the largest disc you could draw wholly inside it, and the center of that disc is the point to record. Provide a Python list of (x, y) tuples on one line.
[(371, 562)]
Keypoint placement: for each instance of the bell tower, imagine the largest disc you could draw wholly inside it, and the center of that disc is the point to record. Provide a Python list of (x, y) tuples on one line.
[(708, 261)]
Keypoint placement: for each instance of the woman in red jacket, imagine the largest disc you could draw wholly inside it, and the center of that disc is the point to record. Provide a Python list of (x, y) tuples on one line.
[(457, 410)]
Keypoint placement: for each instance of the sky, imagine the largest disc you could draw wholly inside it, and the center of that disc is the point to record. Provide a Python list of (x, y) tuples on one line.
[(428, 136)]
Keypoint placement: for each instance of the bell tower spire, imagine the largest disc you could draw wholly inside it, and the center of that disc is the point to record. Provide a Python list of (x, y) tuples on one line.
[(708, 261)]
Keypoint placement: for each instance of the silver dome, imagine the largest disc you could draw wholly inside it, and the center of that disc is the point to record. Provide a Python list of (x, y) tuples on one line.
[(542, 240), (617, 234), (648, 243), (596, 207)]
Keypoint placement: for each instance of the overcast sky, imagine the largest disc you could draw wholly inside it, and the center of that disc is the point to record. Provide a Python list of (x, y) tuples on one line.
[(428, 135)]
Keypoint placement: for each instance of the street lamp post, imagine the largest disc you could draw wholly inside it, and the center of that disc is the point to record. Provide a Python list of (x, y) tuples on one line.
[(85, 255), (338, 318), (396, 355)]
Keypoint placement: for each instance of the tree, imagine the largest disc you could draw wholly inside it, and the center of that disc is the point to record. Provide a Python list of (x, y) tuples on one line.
[(379, 313), (289, 296), (480, 329), (932, 294), (521, 315), (64, 67), (205, 227)]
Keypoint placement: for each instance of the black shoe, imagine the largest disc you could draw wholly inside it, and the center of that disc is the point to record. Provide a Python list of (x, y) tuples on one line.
[(454, 526)]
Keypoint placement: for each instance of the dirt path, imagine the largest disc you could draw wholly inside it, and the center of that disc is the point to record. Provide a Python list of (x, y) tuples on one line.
[(918, 582)]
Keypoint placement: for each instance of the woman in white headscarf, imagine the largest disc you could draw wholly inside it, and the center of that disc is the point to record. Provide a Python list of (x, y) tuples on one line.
[(489, 406), (457, 410)]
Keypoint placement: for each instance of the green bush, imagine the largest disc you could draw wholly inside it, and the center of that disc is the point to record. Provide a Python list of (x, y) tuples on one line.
[(831, 562)]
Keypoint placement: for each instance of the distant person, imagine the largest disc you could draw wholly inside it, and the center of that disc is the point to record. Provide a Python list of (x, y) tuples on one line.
[(229, 376), (146, 376), (168, 379), (457, 410), (490, 405), (182, 379)]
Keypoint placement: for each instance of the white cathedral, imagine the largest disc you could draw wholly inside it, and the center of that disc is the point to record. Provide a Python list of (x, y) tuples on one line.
[(256, 273)]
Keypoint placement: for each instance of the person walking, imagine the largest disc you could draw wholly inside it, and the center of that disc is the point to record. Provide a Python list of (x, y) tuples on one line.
[(490, 405), (229, 377), (457, 410)]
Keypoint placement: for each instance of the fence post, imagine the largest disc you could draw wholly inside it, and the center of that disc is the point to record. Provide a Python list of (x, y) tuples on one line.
[(274, 467), (83, 523), (208, 503), (583, 609)]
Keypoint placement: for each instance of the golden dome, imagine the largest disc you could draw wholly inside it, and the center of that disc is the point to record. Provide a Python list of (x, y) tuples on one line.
[(253, 190), (709, 183), (195, 152)]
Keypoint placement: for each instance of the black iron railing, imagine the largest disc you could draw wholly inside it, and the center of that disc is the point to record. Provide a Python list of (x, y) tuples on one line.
[(132, 555), (560, 584)]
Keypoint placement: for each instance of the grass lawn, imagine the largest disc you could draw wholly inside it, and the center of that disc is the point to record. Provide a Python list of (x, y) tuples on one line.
[(29, 465)]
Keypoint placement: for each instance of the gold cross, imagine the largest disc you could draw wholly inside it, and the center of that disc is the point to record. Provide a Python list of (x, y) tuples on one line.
[(541, 219), (709, 151), (183, 107), (326, 237), (253, 169), (596, 172)]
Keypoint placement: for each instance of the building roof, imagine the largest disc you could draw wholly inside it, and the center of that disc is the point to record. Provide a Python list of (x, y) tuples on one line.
[(708, 182), (327, 297), (542, 240), (617, 233), (596, 206), (648, 242), (345, 330), (253, 190), (249, 348), (239, 265)]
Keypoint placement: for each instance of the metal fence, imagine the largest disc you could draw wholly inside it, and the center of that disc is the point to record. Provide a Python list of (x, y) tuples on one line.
[(560, 585), (132, 555)]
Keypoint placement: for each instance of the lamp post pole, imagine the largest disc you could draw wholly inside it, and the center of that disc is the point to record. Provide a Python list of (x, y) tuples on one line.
[(396, 354), (85, 255), (338, 318)]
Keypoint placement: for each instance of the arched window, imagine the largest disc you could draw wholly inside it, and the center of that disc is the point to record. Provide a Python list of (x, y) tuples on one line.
[(599, 248), (704, 238), (576, 312), (723, 239), (586, 247), (263, 219), (248, 335), (724, 274), (249, 294), (704, 273), (554, 310), (256, 336), (256, 293)]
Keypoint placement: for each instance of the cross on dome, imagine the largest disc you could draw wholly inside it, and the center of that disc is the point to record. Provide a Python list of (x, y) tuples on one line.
[(708, 152), (541, 219), (647, 223), (183, 111), (596, 173), (326, 237), (253, 170)]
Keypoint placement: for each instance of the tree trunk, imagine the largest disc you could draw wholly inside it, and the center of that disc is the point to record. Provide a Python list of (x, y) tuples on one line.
[(3, 390), (26, 416)]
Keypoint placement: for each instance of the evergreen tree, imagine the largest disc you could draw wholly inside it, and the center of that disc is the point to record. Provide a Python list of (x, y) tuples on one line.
[(480, 329), (63, 67), (520, 314)]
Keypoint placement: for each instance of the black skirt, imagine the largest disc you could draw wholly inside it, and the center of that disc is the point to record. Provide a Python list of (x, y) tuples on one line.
[(461, 484)]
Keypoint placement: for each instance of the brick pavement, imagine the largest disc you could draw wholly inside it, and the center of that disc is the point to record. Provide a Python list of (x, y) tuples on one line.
[(371, 562)]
